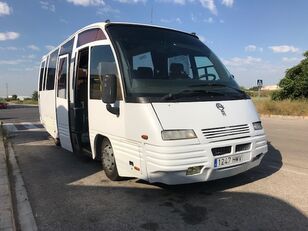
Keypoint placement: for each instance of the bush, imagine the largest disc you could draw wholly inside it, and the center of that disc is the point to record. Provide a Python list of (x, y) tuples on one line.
[(295, 83)]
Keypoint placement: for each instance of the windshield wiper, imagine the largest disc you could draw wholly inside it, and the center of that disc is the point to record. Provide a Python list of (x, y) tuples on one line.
[(218, 85), (189, 92)]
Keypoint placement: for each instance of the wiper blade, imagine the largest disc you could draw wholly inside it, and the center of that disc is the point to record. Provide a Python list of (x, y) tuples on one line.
[(218, 85), (190, 92)]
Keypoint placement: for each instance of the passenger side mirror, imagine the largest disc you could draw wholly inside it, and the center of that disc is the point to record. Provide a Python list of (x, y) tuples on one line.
[(109, 96), (232, 76)]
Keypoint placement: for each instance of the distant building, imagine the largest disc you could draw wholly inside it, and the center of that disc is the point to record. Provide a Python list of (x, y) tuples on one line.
[(22, 98), (270, 87)]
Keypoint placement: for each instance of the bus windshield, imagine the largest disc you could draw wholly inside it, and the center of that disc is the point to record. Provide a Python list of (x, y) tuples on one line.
[(161, 65)]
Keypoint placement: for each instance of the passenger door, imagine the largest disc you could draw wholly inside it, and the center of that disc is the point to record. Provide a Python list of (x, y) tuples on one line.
[(62, 103)]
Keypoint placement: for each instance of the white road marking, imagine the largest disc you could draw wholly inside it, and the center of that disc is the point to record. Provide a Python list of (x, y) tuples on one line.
[(10, 127), (29, 126), (288, 170)]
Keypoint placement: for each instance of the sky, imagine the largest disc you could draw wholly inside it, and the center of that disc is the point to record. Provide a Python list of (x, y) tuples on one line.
[(255, 39)]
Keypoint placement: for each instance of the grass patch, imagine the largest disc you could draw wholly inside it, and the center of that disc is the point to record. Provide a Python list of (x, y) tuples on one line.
[(266, 106), (25, 101)]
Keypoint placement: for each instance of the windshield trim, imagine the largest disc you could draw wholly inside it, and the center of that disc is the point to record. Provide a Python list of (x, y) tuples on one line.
[(141, 99)]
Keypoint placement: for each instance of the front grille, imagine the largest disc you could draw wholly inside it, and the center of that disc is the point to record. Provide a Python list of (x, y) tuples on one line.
[(221, 150), (226, 133), (242, 147)]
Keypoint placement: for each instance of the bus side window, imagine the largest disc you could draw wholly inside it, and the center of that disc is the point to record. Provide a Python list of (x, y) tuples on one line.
[(41, 81), (51, 71), (102, 63), (62, 78)]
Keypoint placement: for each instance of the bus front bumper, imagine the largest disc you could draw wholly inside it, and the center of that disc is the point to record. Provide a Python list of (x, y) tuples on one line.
[(170, 165)]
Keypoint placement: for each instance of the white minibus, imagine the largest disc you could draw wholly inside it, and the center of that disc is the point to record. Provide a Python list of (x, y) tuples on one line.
[(148, 102)]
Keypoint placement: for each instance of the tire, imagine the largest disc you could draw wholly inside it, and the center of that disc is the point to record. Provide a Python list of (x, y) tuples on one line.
[(57, 142), (108, 161)]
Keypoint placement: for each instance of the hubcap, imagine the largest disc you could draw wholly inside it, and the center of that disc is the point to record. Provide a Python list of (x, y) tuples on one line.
[(108, 157)]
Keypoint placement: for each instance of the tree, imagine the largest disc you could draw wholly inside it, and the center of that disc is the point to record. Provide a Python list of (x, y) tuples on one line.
[(14, 97), (295, 83), (35, 96)]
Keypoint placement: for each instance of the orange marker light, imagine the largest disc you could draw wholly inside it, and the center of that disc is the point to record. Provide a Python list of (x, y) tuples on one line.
[(145, 137), (136, 168)]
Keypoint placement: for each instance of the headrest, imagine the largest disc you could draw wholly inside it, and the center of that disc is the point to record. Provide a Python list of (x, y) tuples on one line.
[(176, 67), (144, 72)]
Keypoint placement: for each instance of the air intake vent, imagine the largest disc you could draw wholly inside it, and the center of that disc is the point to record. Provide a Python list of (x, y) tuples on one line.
[(226, 133), (242, 147), (221, 151)]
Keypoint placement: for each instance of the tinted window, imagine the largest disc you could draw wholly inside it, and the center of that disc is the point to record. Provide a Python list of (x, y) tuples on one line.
[(182, 69), (102, 63), (90, 36), (179, 66), (41, 76), (67, 47), (51, 70), (206, 69), (62, 78)]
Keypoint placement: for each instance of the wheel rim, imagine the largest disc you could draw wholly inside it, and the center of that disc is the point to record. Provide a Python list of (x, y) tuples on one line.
[(108, 156)]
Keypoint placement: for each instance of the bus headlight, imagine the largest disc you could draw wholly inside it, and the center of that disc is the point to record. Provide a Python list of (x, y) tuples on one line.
[(257, 125), (178, 134)]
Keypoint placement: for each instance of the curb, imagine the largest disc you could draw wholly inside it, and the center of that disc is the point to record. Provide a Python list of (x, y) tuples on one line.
[(25, 215), (285, 117), (7, 218)]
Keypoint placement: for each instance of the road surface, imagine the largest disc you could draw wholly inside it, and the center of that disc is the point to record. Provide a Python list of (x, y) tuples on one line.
[(68, 192)]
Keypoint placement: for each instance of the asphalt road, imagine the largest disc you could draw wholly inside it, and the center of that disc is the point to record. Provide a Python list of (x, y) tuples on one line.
[(68, 192)]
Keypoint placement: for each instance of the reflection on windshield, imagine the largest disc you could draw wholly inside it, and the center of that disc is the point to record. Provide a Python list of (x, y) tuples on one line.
[(160, 62)]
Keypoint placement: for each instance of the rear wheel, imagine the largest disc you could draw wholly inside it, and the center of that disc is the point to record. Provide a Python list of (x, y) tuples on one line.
[(108, 161)]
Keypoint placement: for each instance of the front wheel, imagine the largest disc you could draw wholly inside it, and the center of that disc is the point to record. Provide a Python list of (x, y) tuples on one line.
[(108, 161)]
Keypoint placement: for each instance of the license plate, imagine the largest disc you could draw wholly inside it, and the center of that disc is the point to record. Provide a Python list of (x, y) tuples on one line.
[(229, 160)]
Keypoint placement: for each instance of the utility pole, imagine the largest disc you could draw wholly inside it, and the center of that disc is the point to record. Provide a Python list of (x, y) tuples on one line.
[(7, 90), (152, 14)]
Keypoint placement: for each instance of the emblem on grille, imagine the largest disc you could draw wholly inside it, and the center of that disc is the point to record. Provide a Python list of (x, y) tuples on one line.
[(221, 108)]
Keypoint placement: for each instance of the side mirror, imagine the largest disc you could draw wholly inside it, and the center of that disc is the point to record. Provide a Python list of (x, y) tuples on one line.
[(232, 76), (109, 96)]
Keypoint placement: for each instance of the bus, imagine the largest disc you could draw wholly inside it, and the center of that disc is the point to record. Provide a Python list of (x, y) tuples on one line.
[(148, 102)]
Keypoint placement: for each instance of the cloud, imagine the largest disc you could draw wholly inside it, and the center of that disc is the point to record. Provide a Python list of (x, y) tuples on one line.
[(12, 62), (33, 47), (50, 47), (87, 2), (179, 2), (209, 20), (177, 20), (283, 49), (209, 4), (228, 3), (236, 61), (48, 6), (131, 1), (5, 9), (251, 48), (248, 69), (291, 59), (8, 36), (9, 48), (31, 56), (107, 10)]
